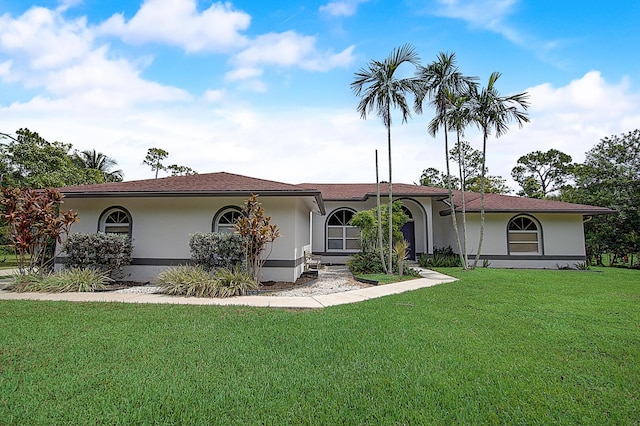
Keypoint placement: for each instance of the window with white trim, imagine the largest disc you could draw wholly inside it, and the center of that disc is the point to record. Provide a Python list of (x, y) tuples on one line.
[(115, 220), (524, 236), (340, 235), (226, 221)]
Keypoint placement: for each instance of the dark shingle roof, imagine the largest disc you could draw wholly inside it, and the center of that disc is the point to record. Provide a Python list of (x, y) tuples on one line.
[(208, 183), (228, 184), (493, 202), (363, 191), (508, 203)]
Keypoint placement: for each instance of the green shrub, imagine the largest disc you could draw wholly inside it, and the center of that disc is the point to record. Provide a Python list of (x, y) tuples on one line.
[(234, 282), (187, 280), (108, 253), (442, 258), (66, 280), (216, 250), (365, 263), (369, 263)]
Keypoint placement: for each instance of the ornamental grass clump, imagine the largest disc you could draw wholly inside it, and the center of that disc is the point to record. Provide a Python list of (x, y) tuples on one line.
[(234, 282), (64, 281), (196, 281), (188, 280)]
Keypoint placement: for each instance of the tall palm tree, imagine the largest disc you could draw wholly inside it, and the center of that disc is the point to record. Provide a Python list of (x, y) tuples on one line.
[(91, 159), (460, 119), (442, 82), (380, 88), (492, 113)]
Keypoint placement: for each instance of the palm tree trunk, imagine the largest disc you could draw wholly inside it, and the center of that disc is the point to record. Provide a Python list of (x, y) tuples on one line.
[(390, 270), (380, 242), (454, 219), (465, 261), (482, 176)]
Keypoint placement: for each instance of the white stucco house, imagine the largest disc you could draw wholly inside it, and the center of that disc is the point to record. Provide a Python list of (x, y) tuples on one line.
[(160, 215)]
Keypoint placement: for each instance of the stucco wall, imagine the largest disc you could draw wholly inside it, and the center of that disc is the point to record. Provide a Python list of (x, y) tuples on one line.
[(162, 228), (443, 235), (562, 240)]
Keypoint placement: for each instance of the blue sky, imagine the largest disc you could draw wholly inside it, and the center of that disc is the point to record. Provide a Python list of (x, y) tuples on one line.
[(262, 87)]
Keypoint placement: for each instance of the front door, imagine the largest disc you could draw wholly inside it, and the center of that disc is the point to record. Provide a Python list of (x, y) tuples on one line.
[(409, 234)]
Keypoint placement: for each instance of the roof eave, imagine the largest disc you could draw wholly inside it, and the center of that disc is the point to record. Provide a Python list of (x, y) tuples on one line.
[(319, 203), (585, 212)]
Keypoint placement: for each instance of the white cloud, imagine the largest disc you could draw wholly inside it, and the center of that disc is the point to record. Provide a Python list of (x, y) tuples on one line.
[(480, 13), (44, 39), (109, 83), (243, 73), (291, 49), (492, 15), (342, 7), (214, 95), (316, 144), (5, 68), (179, 23), (48, 51)]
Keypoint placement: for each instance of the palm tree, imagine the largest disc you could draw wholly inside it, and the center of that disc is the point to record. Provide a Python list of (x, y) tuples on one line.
[(380, 88), (91, 159), (492, 112), (443, 83), (460, 119)]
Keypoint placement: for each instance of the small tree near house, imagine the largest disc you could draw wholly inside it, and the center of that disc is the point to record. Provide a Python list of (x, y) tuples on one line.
[(258, 233), (35, 221)]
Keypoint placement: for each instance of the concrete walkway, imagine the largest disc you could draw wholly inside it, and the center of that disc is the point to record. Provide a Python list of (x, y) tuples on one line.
[(429, 279)]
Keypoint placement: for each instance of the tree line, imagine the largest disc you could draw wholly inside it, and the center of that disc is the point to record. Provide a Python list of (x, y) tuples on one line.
[(608, 177), (27, 160)]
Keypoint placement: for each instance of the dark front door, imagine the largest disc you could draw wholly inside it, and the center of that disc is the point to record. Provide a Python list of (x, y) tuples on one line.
[(408, 231)]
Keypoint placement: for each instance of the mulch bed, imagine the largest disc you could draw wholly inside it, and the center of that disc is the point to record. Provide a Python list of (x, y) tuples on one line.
[(282, 285)]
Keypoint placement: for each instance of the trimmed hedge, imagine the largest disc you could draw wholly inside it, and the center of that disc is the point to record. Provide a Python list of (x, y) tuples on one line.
[(108, 253), (216, 250)]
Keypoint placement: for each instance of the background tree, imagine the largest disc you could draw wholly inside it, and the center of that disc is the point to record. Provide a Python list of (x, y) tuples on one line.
[(93, 160), (31, 161), (610, 177), (177, 170), (442, 83), (469, 161), (154, 159), (492, 113), (437, 179), (541, 173), (380, 88), (492, 185)]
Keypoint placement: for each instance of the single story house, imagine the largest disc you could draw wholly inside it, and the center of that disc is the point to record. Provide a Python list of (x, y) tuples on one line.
[(160, 215)]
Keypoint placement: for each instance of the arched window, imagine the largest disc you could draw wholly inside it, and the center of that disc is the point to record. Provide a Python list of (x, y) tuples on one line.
[(340, 235), (524, 236), (225, 220), (115, 220)]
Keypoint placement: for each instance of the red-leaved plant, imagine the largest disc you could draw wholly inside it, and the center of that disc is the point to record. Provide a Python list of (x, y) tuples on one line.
[(34, 220), (257, 232)]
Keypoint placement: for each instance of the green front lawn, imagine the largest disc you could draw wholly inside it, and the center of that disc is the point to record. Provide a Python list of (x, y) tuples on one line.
[(496, 347)]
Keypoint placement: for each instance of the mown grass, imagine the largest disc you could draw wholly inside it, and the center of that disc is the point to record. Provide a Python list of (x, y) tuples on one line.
[(496, 347)]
